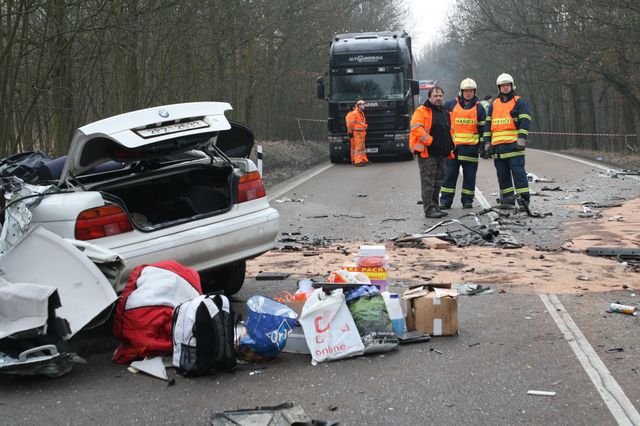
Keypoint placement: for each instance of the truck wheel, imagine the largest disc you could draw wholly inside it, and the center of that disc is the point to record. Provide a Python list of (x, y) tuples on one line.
[(336, 159), (229, 278), (407, 157)]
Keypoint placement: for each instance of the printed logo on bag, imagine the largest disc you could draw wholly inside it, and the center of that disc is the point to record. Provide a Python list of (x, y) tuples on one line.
[(345, 328), (319, 339), (279, 336), (320, 329)]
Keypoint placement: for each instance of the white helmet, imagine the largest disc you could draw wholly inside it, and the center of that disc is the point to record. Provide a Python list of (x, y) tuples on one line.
[(504, 79), (468, 83)]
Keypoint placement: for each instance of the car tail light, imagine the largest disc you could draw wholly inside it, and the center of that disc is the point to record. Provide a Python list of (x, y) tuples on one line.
[(250, 187), (102, 222)]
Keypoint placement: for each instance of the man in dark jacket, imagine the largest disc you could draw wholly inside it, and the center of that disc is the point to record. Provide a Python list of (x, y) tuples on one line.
[(431, 141)]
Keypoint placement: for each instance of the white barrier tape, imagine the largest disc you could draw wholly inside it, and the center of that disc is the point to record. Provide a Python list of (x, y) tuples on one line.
[(309, 119), (583, 134)]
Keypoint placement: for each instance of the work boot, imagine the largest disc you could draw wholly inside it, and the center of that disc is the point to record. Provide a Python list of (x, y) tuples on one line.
[(467, 205), (433, 213), (443, 206)]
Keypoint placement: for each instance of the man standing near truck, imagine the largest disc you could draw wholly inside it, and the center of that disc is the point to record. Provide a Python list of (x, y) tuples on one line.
[(467, 121), (357, 130), (431, 141)]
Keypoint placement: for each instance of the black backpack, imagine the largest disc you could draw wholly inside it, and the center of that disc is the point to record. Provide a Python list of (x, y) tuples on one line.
[(203, 335)]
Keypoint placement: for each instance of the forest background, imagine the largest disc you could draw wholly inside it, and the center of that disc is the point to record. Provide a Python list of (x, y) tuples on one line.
[(65, 63)]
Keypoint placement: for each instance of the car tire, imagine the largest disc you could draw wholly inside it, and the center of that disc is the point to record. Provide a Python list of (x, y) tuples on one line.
[(228, 279)]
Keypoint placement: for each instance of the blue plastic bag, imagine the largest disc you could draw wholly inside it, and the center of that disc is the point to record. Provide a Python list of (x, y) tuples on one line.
[(268, 325)]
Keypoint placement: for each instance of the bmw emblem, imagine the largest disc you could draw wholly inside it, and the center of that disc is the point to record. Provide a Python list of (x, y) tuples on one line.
[(163, 113)]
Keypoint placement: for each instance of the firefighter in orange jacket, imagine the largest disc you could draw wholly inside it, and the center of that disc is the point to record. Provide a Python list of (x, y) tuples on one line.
[(431, 141), (505, 137), (467, 120), (357, 130)]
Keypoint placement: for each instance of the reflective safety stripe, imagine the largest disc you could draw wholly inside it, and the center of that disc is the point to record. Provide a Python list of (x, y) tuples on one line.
[(523, 131), (504, 136), (511, 154), (469, 159), (417, 125), (419, 147), (426, 136), (467, 138), (467, 192), (464, 124), (524, 116), (522, 190), (511, 189), (448, 190)]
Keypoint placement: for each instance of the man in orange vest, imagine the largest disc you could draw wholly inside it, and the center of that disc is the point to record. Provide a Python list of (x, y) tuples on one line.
[(357, 130), (467, 121), (431, 141), (505, 137)]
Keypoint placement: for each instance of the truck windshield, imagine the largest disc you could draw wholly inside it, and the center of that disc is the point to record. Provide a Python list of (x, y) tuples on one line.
[(366, 86)]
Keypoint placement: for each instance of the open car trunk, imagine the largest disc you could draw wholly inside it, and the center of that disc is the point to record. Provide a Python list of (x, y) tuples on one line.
[(155, 200)]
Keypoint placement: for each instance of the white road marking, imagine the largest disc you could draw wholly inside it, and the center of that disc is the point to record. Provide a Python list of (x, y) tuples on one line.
[(289, 184), (621, 408), (587, 163)]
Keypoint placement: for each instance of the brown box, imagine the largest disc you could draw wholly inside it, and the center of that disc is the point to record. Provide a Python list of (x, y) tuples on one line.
[(432, 309), (296, 305)]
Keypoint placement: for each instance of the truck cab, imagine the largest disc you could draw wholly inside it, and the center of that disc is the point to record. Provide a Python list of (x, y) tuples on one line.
[(378, 68)]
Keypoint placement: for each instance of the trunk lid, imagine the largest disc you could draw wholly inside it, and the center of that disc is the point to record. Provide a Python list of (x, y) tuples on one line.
[(158, 132)]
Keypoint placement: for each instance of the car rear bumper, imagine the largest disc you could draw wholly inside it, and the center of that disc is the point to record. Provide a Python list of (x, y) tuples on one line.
[(207, 246)]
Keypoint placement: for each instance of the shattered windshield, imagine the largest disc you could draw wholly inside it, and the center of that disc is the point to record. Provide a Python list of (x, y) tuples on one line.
[(367, 86)]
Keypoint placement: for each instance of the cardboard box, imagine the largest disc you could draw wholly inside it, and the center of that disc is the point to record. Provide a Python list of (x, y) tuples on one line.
[(432, 309), (296, 305)]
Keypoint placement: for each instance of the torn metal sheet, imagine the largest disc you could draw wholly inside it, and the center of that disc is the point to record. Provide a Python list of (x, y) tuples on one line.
[(19, 198), (45, 360), (613, 251), (151, 366), (25, 306), (278, 415), (41, 257)]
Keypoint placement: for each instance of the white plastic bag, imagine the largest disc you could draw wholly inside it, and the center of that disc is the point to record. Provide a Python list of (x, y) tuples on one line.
[(329, 328)]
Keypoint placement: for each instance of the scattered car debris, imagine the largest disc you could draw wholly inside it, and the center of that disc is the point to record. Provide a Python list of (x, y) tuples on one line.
[(623, 309), (598, 205), (582, 277), (533, 178), (541, 393), (151, 366), (617, 218), (393, 219), (285, 414), (548, 188), (472, 289), (361, 195), (266, 276), (289, 200), (613, 350)]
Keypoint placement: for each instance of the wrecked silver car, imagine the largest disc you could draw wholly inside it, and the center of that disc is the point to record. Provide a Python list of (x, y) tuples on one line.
[(166, 183)]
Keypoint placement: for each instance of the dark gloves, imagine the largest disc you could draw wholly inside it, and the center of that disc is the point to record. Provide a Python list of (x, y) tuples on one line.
[(520, 144), (486, 151)]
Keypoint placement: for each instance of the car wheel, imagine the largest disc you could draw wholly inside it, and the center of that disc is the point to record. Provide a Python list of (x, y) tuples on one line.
[(229, 278)]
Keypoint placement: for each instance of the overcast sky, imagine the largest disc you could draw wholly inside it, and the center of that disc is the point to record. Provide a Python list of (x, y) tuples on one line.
[(427, 18)]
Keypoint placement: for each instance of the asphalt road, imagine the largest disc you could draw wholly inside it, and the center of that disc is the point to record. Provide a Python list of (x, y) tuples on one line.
[(508, 344)]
